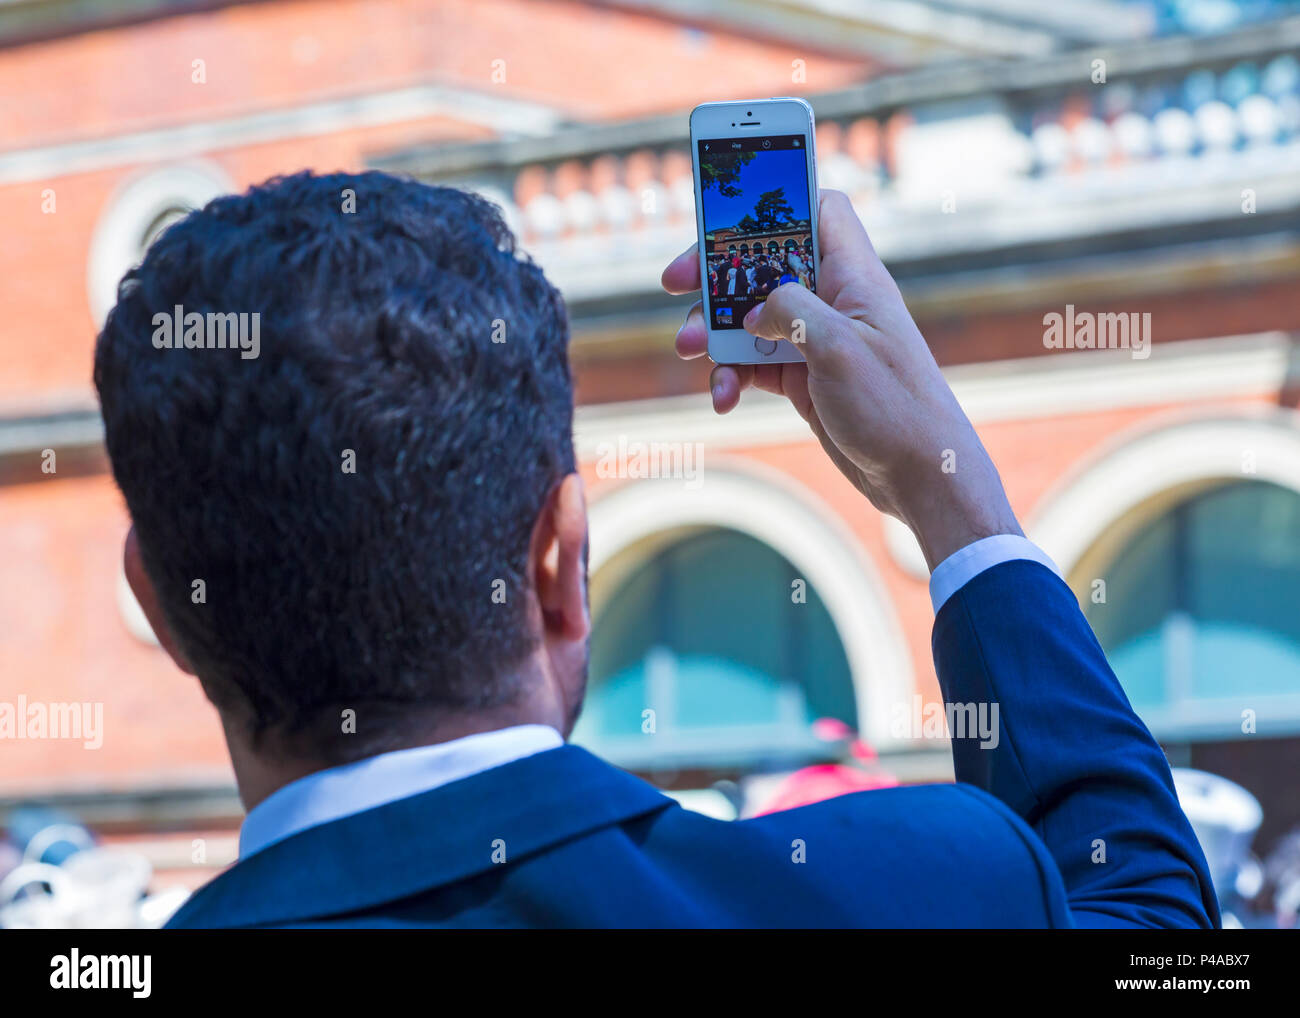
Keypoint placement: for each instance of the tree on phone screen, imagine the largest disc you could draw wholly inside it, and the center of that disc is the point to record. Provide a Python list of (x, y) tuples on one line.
[(772, 210), (723, 172)]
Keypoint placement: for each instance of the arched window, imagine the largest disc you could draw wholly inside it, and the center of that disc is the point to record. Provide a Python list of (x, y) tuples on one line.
[(773, 247), (731, 650), (134, 217), (1199, 617)]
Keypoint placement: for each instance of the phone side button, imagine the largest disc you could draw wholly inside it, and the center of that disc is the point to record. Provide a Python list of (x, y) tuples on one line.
[(766, 347)]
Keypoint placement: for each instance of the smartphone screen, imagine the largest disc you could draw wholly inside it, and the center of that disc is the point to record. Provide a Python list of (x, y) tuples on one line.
[(757, 221)]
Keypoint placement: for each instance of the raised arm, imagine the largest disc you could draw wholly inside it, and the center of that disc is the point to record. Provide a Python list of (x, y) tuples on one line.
[(1073, 760), (1070, 757)]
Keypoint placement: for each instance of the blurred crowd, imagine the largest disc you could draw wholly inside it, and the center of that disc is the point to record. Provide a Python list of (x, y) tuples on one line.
[(737, 275)]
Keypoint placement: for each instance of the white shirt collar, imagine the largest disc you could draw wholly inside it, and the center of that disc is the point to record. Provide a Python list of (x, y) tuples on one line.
[(352, 788)]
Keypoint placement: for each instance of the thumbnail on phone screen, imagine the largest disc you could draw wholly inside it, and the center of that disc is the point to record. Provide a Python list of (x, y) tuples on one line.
[(757, 223)]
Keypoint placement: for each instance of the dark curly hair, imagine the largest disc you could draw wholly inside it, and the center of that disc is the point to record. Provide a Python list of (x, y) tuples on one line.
[(409, 332)]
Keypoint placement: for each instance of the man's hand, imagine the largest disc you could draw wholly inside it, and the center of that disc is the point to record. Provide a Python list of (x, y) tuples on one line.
[(870, 389)]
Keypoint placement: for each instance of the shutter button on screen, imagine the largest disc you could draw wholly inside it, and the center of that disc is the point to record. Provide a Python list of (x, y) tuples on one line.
[(765, 346)]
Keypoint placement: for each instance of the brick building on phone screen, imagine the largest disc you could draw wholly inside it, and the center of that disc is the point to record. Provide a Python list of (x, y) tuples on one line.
[(1091, 163)]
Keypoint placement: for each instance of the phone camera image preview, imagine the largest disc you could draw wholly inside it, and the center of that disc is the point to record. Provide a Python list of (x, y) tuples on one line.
[(757, 222)]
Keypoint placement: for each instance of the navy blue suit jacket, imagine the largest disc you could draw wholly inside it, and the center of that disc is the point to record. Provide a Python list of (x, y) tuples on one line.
[(1017, 842)]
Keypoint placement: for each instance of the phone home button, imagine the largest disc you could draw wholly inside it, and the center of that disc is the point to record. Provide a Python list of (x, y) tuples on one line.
[(766, 347)]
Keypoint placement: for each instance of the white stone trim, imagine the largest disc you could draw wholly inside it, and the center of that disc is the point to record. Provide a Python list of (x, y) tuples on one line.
[(116, 245), (507, 116), (1053, 385), (1148, 465), (133, 616), (766, 506), (1086, 381)]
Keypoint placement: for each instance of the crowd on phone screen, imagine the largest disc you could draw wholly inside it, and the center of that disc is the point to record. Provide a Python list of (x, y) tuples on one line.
[(747, 275)]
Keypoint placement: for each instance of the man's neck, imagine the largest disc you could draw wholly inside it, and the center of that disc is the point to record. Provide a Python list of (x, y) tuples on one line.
[(273, 762)]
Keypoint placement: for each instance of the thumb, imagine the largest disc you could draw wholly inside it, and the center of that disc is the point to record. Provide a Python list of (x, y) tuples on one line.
[(795, 313)]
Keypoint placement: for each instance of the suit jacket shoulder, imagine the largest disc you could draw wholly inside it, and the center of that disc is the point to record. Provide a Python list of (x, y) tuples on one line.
[(565, 839)]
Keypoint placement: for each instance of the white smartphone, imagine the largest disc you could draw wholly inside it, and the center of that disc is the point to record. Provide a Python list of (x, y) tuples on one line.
[(756, 213)]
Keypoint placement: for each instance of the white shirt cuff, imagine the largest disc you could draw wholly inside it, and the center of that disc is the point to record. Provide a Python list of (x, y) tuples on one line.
[(959, 568)]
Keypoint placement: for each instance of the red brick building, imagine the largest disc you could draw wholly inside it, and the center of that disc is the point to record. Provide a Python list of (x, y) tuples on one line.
[(1000, 192), (771, 241)]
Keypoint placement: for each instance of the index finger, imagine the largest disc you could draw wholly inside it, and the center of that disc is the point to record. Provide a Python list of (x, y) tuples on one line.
[(683, 272)]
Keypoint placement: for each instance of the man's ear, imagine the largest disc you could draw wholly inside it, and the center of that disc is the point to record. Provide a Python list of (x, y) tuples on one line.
[(559, 566), (142, 588)]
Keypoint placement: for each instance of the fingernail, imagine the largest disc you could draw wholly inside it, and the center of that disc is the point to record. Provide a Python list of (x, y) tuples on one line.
[(750, 315), (717, 393)]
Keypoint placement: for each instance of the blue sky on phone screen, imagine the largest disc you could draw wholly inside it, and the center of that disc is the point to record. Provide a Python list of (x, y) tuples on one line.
[(787, 168)]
